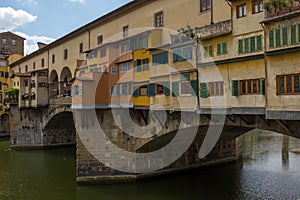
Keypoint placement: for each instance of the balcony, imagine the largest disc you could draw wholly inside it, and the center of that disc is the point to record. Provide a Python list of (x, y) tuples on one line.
[(285, 8), (214, 30)]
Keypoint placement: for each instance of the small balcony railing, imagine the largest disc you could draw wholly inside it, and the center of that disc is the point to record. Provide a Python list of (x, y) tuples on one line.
[(214, 30)]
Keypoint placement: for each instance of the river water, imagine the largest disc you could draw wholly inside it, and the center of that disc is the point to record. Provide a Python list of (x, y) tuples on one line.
[(269, 170)]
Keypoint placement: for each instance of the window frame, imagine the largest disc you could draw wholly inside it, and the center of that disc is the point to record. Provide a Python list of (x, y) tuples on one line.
[(125, 30), (207, 6), (251, 87), (285, 85), (213, 86), (114, 71), (159, 19), (243, 12), (257, 4)]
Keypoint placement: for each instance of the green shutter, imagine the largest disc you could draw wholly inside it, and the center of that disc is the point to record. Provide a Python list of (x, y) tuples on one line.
[(135, 91), (175, 89), (271, 39), (6, 75), (247, 45), (252, 44), (277, 37), (241, 46), (259, 42), (151, 89), (284, 38), (293, 34), (194, 87), (211, 51), (167, 88), (262, 86), (298, 33), (206, 53), (224, 48), (219, 49), (203, 90), (235, 87)]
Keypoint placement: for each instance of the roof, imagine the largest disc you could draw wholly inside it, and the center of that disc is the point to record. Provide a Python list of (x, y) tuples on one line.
[(8, 32), (101, 20)]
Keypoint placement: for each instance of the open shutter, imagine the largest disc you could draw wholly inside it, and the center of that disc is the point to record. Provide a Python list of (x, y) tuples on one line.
[(262, 86), (175, 89), (167, 88), (235, 87), (203, 90), (135, 91), (194, 87), (151, 89)]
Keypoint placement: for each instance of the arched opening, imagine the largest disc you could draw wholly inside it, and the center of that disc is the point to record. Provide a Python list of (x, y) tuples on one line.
[(4, 123), (60, 129), (53, 84), (65, 85)]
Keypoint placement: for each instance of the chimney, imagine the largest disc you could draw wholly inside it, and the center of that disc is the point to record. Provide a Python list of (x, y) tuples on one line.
[(41, 45)]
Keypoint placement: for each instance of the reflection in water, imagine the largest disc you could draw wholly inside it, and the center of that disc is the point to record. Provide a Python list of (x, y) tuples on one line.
[(268, 171)]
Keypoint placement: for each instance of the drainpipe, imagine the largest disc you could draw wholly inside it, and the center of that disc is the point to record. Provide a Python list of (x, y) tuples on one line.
[(266, 64), (212, 12), (231, 14)]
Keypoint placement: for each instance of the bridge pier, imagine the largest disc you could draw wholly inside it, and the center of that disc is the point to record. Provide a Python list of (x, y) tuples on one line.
[(91, 170), (37, 128)]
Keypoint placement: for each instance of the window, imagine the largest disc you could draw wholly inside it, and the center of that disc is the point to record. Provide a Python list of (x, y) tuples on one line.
[(1, 74), (216, 88), (33, 84), (295, 34), (124, 89), (4, 42), (125, 67), (139, 42), (160, 58), (257, 6), (222, 48), (6, 74), (65, 54), (125, 46), (159, 19), (125, 31), (103, 52), (160, 89), (241, 11), (205, 5), (141, 65), (288, 84), (79, 89), (113, 90), (248, 87), (26, 68), (100, 39), (42, 84), (26, 83), (143, 90), (42, 74), (81, 48), (250, 45), (114, 71), (33, 96), (33, 66), (3, 64), (182, 54), (208, 51), (13, 42), (43, 62), (53, 58)]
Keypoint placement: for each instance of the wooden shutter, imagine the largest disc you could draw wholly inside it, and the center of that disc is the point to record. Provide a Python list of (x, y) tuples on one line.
[(252, 44), (6, 75), (194, 87), (271, 39), (247, 45), (259, 42), (224, 48), (277, 37), (151, 89), (235, 87), (211, 50), (284, 38), (167, 88), (298, 33), (262, 86), (203, 90), (293, 34), (175, 89), (219, 49), (135, 91), (241, 46)]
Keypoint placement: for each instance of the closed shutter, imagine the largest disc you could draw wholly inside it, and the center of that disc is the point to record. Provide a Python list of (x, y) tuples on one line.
[(6, 75), (252, 44), (203, 90), (284, 41), (235, 87), (175, 89), (259, 42), (241, 46), (194, 87), (247, 45), (262, 86), (277, 38), (135, 91), (211, 51), (271, 39), (167, 88), (293, 34), (151, 89), (219, 49), (298, 33), (224, 48)]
